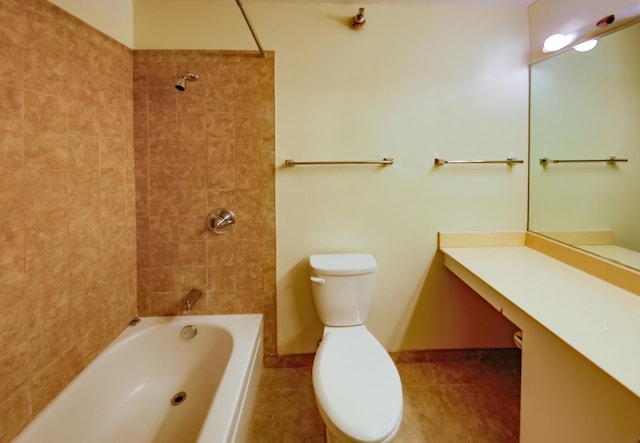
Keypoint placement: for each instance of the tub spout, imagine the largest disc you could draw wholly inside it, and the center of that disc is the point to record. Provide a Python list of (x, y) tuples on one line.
[(191, 299)]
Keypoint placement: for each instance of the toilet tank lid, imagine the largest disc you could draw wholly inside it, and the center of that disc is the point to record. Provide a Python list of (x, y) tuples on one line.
[(343, 264)]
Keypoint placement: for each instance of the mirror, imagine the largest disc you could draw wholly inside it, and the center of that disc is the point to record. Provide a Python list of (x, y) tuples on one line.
[(586, 106)]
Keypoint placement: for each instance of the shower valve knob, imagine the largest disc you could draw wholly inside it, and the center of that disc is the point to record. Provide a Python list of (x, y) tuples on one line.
[(221, 221)]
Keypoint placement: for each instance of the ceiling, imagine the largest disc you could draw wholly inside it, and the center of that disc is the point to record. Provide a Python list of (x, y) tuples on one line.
[(476, 3)]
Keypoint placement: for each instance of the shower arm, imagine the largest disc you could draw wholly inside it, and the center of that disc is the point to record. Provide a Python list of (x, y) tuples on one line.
[(253, 33)]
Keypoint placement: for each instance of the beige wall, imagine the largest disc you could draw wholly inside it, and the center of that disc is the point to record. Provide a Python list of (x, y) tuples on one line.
[(67, 207), (209, 146), (417, 82), (113, 17), (547, 17)]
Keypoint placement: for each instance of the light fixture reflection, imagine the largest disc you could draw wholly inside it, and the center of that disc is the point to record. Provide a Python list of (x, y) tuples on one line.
[(586, 46), (555, 42)]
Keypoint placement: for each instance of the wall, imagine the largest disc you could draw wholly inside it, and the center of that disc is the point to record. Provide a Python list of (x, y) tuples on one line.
[(67, 233), (113, 17), (547, 17), (417, 82), (207, 147)]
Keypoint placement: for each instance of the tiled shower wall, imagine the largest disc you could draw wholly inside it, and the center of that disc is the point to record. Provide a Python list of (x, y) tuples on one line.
[(210, 146), (67, 204)]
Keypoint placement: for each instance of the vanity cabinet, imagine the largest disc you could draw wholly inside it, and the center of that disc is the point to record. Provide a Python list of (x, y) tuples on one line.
[(566, 398), (581, 343)]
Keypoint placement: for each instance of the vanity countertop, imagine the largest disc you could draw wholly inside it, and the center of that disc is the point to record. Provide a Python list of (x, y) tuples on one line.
[(596, 318)]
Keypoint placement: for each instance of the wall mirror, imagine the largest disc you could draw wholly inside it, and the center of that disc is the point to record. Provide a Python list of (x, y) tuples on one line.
[(586, 106)]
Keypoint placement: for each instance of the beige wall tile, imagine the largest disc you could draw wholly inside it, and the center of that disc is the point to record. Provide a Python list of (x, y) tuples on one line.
[(192, 277), (192, 126), (249, 151), (160, 99), (222, 278), (220, 125), (193, 253), (12, 239), (159, 73), (83, 119), (248, 175), (248, 125), (193, 176), (49, 381), (15, 408), (11, 108), (140, 124), (164, 303), (163, 151), (164, 254), (251, 227), (112, 152), (164, 176), (221, 99), (193, 151), (193, 202), (221, 251), (12, 194), (83, 152), (203, 149), (221, 176), (163, 201), (65, 233), (46, 150), (162, 125), (41, 236), (193, 100), (163, 279), (84, 188), (221, 150), (163, 229), (43, 113), (11, 150), (45, 190)]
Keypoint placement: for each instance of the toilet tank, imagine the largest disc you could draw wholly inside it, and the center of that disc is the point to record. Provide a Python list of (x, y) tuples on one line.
[(343, 286)]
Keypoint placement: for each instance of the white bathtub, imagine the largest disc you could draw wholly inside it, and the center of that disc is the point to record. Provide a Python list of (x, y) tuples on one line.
[(125, 395)]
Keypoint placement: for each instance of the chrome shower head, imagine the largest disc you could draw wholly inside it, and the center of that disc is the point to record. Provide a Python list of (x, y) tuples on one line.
[(181, 84)]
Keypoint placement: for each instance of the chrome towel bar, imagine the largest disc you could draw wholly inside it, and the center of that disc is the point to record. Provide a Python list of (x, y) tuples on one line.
[(544, 161), (509, 161), (384, 162)]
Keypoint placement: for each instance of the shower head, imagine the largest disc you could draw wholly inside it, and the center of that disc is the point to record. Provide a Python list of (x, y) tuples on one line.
[(181, 84)]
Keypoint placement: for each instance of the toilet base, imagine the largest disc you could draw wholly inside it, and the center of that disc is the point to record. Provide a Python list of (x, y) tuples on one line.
[(335, 436), (333, 439)]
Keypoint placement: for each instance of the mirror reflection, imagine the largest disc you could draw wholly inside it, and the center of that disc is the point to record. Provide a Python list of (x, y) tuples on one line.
[(586, 106)]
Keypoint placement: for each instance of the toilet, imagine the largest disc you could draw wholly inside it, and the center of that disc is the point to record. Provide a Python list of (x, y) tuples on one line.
[(355, 382)]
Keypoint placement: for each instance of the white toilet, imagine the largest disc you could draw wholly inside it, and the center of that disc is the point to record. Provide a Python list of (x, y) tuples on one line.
[(356, 384)]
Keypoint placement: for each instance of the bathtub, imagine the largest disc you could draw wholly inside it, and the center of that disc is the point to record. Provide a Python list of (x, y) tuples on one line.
[(155, 385)]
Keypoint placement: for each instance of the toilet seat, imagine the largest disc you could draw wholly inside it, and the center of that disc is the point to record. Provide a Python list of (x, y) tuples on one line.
[(357, 385)]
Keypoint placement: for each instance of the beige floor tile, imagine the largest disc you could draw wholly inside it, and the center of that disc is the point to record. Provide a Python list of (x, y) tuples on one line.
[(444, 401)]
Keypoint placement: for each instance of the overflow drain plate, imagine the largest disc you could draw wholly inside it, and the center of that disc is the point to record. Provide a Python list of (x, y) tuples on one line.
[(178, 398), (188, 332)]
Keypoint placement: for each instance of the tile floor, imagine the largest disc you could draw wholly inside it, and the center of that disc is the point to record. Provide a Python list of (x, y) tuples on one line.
[(444, 401)]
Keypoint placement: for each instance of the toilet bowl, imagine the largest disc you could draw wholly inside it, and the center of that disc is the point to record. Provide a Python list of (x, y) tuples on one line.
[(356, 384)]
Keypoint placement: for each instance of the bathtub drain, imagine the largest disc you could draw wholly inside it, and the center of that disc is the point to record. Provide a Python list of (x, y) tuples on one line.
[(178, 398)]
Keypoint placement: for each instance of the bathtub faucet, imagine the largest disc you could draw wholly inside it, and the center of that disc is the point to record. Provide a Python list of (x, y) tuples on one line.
[(191, 299)]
